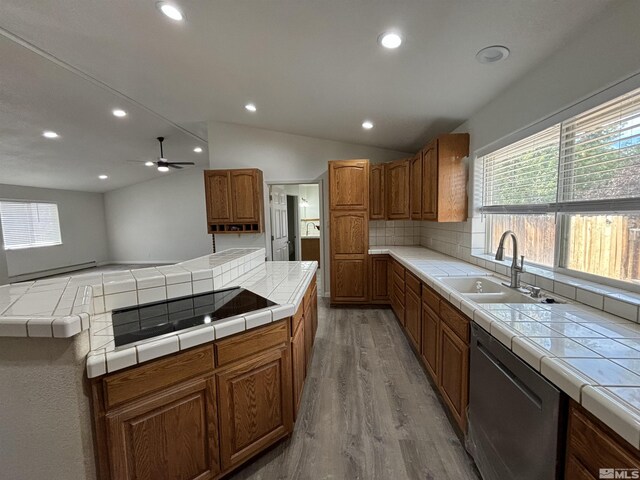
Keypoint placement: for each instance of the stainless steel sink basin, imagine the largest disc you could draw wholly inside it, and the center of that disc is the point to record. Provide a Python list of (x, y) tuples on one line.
[(492, 290)]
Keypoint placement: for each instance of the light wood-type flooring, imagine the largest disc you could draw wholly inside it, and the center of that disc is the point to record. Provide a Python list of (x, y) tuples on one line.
[(368, 411)]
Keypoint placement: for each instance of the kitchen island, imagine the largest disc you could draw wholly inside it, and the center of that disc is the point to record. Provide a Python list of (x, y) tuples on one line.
[(51, 377)]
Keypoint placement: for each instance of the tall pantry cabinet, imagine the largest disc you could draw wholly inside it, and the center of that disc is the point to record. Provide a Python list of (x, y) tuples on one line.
[(349, 230)]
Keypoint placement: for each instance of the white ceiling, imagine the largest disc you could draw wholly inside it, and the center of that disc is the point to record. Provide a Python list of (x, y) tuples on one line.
[(312, 67)]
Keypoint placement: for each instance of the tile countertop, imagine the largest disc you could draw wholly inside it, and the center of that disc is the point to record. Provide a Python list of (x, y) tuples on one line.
[(61, 307), (281, 282), (593, 356)]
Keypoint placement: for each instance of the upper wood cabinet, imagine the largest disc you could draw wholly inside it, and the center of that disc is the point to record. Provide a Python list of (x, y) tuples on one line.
[(235, 201), (415, 174), (444, 179), (349, 185), (377, 199), (397, 190)]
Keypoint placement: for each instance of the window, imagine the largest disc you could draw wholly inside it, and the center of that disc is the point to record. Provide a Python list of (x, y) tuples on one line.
[(571, 193), (29, 224)]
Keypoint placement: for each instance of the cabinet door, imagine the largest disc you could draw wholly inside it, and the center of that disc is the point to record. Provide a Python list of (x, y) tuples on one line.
[(349, 233), (416, 187), (430, 341), (217, 185), (376, 192), (454, 373), (349, 185), (379, 278), (314, 311), (298, 363), (430, 182), (397, 190), (173, 434), (245, 192), (308, 335), (348, 280), (255, 403), (412, 321)]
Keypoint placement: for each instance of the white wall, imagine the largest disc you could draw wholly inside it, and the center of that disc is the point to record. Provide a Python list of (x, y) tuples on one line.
[(158, 221), (282, 157), (601, 56), (82, 225)]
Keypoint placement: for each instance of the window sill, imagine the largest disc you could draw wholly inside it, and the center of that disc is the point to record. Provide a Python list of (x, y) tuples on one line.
[(617, 301)]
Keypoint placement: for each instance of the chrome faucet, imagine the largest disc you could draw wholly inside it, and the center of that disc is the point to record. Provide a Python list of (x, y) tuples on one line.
[(516, 270)]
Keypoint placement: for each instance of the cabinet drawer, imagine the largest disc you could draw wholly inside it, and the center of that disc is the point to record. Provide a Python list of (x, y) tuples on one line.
[(455, 320), (398, 270), (594, 447), (253, 341), (413, 283), (431, 298), (136, 382)]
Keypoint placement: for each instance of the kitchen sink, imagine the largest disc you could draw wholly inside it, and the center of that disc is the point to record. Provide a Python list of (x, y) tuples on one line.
[(493, 291)]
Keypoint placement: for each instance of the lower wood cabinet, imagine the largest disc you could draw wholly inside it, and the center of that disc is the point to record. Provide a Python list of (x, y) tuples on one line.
[(454, 373), (591, 445), (380, 270), (298, 365), (140, 448), (255, 405), (430, 347), (412, 314)]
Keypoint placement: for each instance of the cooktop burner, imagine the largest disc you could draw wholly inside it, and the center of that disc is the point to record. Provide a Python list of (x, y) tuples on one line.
[(153, 319)]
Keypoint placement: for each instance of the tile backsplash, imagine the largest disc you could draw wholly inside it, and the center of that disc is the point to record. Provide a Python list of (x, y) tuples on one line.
[(394, 232)]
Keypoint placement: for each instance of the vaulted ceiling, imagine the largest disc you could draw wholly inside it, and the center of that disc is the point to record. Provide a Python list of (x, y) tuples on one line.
[(311, 67)]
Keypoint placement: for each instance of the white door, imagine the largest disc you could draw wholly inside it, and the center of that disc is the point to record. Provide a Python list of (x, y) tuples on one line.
[(279, 226)]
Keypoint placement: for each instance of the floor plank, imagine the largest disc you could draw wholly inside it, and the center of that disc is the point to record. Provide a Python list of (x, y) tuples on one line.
[(367, 412)]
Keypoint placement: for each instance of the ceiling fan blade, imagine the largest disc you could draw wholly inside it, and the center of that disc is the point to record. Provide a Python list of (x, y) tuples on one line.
[(181, 163), (172, 165)]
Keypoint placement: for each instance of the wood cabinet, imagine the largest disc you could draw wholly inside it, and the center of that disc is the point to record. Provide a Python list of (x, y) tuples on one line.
[(415, 174), (377, 199), (349, 230), (412, 318), (141, 448), (380, 271), (454, 373), (349, 185), (298, 366), (305, 322), (234, 201), (397, 285), (310, 249), (591, 445), (397, 190), (255, 405), (430, 341), (444, 179)]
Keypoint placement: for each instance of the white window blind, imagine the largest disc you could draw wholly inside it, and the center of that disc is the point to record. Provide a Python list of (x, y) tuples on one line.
[(523, 174), (29, 224), (589, 163), (600, 152)]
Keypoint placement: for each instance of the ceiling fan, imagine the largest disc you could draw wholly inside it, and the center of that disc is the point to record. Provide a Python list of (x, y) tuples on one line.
[(163, 164)]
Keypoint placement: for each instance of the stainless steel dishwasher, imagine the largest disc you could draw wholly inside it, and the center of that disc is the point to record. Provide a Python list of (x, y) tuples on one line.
[(516, 417)]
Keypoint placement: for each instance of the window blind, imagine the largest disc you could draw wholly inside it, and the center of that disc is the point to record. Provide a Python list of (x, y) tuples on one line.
[(29, 224), (600, 152), (523, 174)]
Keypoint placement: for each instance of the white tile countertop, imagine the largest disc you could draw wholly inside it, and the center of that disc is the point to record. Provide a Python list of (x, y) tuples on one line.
[(284, 283), (61, 307), (591, 355)]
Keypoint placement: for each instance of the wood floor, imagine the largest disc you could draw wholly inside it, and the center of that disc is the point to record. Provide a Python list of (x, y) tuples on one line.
[(368, 411)]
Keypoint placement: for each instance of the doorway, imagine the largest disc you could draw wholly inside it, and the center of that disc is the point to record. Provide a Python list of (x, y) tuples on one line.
[(296, 228)]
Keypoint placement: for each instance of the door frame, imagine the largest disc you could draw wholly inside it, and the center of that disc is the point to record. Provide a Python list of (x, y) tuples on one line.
[(324, 264)]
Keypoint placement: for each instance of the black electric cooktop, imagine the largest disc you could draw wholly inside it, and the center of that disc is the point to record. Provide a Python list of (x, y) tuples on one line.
[(153, 319)]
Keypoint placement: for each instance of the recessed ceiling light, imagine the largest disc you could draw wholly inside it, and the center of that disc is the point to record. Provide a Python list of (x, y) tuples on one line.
[(251, 107), (119, 112), (163, 168), (171, 11), (103, 177), (198, 149), (390, 40), (50, 134), (492, 54), (367, 125), (149, 163)]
